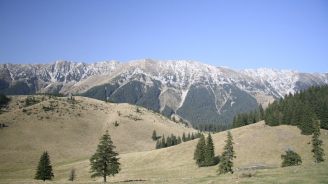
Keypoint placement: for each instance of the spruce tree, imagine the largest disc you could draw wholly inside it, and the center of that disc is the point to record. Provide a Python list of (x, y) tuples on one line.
[(317, 149), (179, 140), (163, 143), (192, 136), (188, 138), (158, 144), (44, 170), (261, 111), (227, 157), (184, 139), (105, 161), (209, 151), (154, 136), (199, 154), (72, 175), (168, 141)]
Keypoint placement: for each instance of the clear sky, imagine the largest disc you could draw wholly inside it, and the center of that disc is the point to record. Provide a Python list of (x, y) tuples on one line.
[(283, 34)]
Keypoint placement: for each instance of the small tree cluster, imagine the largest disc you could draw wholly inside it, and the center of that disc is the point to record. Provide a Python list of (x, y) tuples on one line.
[(169, 141), (204, 153), (227, 157), (174, 140), (290, 158), (190, 137), (212, 127)]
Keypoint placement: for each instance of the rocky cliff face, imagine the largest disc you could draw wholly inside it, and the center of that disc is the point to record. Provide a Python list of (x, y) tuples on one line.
[(199, 93)]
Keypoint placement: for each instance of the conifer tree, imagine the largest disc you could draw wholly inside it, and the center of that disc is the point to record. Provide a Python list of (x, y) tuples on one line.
[(44, 170), (158, 144), (105, 161), (163, 143), (179, 140), (192, 136), (168, 141), (154, 136), (209, 151), (184, 137), (227, 157), (318, 152), (199, 154), (261, 112), (72, 175), (188, 138)]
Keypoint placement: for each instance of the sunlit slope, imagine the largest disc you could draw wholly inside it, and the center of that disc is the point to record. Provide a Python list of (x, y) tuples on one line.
[(70, 131), (257, 146)]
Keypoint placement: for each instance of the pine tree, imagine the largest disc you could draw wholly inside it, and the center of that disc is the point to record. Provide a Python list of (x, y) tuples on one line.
[(188, 138), (44, 170), (184, 139), (158, 144), (209, 151), (105, 161), (192, 136), (163, 143), (154, 136), (72, 175), (199, 154), (261, 112), (227, 157), (179, 140), (168, 141), (317, 150)]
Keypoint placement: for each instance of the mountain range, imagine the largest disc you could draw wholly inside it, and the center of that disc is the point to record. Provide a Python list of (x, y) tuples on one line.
[(198, 93)]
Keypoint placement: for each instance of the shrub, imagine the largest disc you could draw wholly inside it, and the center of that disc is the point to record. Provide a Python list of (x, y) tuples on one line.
[(290, 158)]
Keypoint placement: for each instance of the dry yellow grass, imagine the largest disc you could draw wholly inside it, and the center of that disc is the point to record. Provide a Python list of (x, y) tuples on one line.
[(255, 145), (71, 131)]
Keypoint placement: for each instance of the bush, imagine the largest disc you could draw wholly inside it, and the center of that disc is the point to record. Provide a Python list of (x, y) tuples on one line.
[(3, 100), (291, 158), (30, 100)]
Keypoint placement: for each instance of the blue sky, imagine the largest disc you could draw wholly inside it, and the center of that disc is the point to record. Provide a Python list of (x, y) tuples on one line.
[(288, 34)]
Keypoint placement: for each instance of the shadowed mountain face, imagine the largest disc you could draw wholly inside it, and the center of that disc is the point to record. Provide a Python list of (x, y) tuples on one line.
[(197, 92)]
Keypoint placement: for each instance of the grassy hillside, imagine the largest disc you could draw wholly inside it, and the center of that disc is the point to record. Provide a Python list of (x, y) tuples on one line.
[(256, 145), (70, 130)]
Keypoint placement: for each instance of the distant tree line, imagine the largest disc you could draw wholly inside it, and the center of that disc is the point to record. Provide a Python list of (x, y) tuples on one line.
[(243, 119), (300, 109), (212, 127), (162, 142)]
